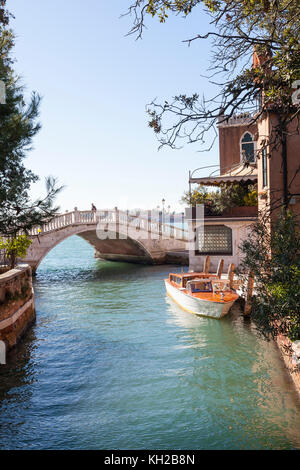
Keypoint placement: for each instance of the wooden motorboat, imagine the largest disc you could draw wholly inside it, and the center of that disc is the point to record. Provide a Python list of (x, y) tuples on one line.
[(201, 293)]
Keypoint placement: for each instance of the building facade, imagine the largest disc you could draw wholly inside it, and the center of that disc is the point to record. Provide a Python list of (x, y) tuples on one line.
[(274, 177), (253, 149), (221, 235)]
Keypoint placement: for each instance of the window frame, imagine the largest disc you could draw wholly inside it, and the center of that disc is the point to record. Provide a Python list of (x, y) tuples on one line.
[(254, 147)]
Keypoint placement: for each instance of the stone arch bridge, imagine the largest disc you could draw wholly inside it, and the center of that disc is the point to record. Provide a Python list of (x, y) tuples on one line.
[(115, 235)]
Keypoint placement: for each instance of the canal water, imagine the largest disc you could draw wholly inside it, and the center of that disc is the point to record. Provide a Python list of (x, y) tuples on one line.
[(112, 363)]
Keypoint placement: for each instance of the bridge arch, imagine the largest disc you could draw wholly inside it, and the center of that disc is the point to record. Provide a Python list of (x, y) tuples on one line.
[(114, 237), (114, 249)]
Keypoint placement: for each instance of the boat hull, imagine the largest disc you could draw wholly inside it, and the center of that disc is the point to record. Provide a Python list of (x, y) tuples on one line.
[(198, 306)]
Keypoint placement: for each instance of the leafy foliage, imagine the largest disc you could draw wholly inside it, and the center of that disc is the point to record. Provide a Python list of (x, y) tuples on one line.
[(222, 200), (251, 198), (271, 27), (4, 14), (199, 196), (13, 248), (273, 258)]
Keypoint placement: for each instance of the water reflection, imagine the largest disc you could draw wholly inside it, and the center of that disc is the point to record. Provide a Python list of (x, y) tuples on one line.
[(19, 371), (16, 381), (226, 354)]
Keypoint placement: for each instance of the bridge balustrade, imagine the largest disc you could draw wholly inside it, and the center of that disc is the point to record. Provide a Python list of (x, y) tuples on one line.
[(111, 216)]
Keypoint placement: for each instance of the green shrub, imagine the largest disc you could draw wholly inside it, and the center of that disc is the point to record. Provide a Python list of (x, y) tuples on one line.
[(274, 259), (223, 199), (14, 247)]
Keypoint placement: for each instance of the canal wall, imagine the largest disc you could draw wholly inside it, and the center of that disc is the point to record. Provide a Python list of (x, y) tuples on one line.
[(285, 346), (17, 309)]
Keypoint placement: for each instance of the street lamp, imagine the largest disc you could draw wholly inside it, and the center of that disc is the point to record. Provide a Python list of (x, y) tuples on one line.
[(163, 209)]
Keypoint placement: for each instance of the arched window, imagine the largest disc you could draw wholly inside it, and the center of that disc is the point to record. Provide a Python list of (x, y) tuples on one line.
[(247, 148)]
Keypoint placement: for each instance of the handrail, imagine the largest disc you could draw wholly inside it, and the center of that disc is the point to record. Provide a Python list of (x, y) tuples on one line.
[(111, 216)]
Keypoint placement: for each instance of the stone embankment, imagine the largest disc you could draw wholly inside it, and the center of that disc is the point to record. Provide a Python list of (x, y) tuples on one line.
[(17, 309), (290, 352)]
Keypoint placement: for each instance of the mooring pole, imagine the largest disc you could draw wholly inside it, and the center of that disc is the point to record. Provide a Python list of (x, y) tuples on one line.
[(2, 352), (250, 284)]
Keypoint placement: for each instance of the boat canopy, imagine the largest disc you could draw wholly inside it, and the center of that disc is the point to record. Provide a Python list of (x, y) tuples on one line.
[(181, 279)]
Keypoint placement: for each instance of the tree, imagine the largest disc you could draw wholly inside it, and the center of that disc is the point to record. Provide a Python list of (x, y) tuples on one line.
[(4, 13), (198, 196), (272, 29), (224, 199), (18, 126), (14, 248), (275, 307)]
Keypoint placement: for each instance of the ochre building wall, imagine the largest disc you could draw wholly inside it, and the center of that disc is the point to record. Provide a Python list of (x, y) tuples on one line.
[(230, 144)]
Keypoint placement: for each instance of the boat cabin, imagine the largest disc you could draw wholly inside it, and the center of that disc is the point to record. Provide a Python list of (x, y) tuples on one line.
[(199, 282), (208, 285), (181, 280)]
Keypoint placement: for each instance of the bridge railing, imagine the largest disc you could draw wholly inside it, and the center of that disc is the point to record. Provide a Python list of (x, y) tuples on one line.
[(157, 227), (65, 220), (114, 216)]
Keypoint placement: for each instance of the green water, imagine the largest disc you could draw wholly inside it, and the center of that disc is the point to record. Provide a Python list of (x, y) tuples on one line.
[(112, 363)]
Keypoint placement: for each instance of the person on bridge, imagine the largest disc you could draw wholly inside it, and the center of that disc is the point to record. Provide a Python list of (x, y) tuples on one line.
[(94, 207)]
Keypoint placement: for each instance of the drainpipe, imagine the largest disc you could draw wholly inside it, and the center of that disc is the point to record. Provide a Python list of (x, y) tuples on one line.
[(284, 166)]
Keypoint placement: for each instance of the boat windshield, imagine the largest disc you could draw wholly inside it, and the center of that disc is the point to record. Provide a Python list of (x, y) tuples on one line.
[(186, 280), (203, 285)]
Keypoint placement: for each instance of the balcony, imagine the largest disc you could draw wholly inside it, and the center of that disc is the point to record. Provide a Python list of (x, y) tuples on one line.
[(234, 174), (237, 196)]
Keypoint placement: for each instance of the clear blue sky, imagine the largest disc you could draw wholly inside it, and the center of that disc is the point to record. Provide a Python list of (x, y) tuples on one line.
[(95, 83)]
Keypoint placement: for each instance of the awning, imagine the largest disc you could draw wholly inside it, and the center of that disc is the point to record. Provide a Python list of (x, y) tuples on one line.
[(218, 180)]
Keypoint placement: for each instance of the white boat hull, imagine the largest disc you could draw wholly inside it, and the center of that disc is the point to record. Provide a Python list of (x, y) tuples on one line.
[(206, 308)]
